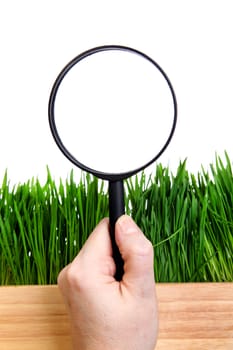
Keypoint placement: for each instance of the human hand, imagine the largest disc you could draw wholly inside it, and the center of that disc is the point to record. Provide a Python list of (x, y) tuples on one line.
[(107, 314)]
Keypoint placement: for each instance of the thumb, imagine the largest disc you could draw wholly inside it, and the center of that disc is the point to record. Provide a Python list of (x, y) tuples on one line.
[(137, 253)]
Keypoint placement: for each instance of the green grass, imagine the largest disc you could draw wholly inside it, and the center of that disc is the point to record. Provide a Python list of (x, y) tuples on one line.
[(188, 218)]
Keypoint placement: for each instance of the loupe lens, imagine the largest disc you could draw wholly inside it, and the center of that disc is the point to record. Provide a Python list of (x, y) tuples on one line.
[(112, 111)]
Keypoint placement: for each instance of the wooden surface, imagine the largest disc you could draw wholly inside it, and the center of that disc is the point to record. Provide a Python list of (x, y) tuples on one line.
[(192, 316)]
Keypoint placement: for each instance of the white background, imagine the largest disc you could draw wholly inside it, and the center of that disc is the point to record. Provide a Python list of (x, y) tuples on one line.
[(191, 40)]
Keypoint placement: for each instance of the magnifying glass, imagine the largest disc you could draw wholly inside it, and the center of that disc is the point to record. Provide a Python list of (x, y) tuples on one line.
[(112, 112)]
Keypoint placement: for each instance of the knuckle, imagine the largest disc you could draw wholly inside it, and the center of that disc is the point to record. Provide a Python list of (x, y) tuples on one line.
[(78, 278), (71, 275), (74, 277)]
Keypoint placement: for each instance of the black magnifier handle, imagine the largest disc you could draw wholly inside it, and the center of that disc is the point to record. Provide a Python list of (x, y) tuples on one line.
[(116, 209)]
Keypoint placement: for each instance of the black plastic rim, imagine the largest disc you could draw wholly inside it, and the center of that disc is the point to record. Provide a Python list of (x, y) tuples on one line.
[(64, 150)]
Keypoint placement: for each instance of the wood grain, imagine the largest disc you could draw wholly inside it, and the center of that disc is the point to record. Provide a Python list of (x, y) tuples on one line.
[(192, 316)]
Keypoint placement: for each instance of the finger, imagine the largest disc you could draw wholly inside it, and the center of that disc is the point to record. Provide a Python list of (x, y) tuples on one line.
[(98, 243), (137, 253), (93, 261)]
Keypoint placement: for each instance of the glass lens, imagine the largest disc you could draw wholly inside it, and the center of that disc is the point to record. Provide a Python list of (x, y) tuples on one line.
[(114, 111)]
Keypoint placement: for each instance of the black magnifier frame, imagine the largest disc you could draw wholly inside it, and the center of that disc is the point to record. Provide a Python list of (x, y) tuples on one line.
[(116, 191)]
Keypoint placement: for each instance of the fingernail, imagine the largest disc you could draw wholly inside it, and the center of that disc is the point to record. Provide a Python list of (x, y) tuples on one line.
[(127, 225)]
